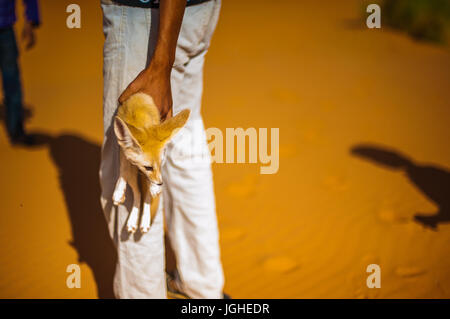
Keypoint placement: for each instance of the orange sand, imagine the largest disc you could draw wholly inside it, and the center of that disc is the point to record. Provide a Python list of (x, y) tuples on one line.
[(309, 231)]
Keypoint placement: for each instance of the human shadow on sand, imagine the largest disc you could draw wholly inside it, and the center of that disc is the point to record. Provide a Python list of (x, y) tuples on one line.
[(431, 180), (78, 163)]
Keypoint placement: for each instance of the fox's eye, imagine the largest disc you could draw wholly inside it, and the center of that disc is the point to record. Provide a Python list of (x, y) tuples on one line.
[(148, 168)]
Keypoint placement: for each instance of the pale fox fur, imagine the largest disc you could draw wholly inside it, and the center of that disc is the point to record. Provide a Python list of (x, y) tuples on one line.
[(142, 137)]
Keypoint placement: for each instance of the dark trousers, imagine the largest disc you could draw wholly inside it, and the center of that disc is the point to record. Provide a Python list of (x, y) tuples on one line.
[(12, 88)]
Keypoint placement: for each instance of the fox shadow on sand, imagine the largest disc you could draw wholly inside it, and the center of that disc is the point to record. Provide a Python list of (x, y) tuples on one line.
[(431, 180)]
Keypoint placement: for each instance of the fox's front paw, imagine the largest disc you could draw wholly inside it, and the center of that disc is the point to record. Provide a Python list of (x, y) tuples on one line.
[(118, 198), (119, 192)]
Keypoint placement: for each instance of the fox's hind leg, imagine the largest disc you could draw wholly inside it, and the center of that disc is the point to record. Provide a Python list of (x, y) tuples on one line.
[(132, 178), (146, 216), (150, 207), (121, 185)]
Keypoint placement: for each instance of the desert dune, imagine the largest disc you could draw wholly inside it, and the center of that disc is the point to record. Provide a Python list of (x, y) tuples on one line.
[(363, 177)]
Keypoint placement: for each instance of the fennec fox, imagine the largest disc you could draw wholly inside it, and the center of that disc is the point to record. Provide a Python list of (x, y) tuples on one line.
[(142, 137)]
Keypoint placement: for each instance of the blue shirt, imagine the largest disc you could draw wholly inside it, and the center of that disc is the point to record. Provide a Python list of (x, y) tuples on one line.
[(8, 12)]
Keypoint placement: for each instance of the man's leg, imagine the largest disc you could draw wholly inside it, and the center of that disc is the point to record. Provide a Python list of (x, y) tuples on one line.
[(140, 265), (12, 88), (189, 195)]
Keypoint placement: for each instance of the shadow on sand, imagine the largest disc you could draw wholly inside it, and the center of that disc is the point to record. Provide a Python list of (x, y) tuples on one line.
[(78, 162), (432, 181)]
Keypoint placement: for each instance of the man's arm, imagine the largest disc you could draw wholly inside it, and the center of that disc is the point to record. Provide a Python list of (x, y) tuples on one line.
[(155, 79), (32, 20)]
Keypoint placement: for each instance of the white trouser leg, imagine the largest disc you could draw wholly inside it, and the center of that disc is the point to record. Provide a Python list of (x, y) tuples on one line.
[(189, 198), (130, 38), (141, 259)]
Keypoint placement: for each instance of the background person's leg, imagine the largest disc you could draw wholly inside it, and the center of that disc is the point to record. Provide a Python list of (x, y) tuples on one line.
[(140, 265), (189, 195), (12, 88)]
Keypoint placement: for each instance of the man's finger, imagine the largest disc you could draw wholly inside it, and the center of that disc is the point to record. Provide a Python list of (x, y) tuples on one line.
[(30, 43), (125, 95), (166, 115)]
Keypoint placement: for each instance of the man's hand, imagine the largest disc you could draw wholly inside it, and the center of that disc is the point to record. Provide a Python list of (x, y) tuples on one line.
[(28, 35), (154, 81)]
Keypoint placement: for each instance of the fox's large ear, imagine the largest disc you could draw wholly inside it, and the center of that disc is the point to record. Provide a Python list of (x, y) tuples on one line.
[(170, 127), (124, 136)]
